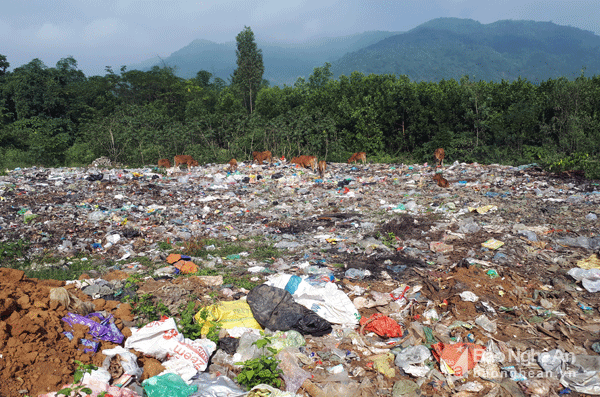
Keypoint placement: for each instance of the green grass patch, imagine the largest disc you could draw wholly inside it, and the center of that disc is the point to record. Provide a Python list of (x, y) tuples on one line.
[(240, 281), (265, 251), (257, 248), (70, 269), (164, 246), (11, 250)]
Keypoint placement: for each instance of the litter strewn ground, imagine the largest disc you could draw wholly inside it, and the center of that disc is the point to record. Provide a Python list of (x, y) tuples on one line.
[(488, 288)]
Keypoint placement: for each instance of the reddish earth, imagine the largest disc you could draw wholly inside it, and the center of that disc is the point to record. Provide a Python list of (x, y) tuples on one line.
[(35, 357)]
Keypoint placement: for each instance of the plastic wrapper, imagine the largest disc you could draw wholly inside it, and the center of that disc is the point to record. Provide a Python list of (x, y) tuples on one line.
[(168, 384), (274, 308), (382, 325), (128, 360), (104, 330), (219, 386), (293, 375)]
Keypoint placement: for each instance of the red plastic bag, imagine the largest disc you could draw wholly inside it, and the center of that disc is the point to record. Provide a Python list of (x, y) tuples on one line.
[(458, 358), (381, 325)]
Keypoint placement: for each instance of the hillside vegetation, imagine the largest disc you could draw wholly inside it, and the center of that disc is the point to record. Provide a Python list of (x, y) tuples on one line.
[(284, 62), (449, 48)]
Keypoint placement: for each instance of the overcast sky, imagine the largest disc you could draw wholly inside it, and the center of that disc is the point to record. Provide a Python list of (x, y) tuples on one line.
[(120, 32)]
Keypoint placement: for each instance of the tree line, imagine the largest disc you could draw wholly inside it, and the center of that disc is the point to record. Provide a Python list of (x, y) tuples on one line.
[(56, 116)]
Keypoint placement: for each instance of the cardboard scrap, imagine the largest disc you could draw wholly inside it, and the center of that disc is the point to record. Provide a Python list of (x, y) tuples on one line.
[(492, 244)]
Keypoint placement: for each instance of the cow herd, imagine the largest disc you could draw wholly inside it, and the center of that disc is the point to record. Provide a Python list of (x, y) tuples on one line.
[(302, 161)]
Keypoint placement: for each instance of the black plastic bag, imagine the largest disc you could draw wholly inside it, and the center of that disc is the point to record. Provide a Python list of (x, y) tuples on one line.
[(229, 345), (274, 308)]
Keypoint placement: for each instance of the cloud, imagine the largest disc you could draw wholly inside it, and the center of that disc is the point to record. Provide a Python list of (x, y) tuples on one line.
[(102, 29), (50, 33)]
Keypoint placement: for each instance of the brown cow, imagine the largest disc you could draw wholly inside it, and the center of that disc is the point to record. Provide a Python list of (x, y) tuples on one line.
[(259, 157), (185, 159), (439, 156), (164, 163), (322, 167), (441, 181), (362, 156), (305, 161), (233, 165)]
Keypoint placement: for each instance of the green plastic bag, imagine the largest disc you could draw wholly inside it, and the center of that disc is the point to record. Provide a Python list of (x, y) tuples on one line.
[(168, 385)]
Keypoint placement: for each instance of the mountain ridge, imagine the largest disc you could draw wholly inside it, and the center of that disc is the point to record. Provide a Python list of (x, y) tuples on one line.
[(442, 48)]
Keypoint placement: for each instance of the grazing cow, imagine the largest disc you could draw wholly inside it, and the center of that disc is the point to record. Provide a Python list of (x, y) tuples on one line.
[(439, 156), (305, 161), (322, 167), (233, 165), (441, 181), (164, 163), (259, 157), (185, 159), (362, 156)]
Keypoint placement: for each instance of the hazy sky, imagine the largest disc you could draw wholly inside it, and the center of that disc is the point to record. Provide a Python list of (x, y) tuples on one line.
[(119, 32)]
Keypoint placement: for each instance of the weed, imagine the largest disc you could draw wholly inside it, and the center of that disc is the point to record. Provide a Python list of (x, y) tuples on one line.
[(260, 370), (240, 281), (215, 327), (144, 307), (53, 269), (388, 240), (164, 246), (338, 265), (78, 389), (186, 324), (265, 251), (9, 251), (194, 248), (131, 282)]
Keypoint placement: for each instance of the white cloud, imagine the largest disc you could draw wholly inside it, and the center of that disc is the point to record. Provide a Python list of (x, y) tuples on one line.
[(51, 33), (102, 29)]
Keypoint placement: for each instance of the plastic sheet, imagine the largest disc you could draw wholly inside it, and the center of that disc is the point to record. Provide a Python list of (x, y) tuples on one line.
[(274, 308)]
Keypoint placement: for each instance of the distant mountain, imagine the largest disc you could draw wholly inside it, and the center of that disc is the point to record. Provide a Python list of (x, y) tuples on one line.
[(448, 48), (284, 62)]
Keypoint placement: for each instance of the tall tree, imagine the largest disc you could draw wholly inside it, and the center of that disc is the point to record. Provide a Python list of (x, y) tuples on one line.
[(3, 64), (248, 75)]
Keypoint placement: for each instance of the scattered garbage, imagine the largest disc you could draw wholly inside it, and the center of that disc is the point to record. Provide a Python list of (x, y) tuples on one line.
[(371, 280)]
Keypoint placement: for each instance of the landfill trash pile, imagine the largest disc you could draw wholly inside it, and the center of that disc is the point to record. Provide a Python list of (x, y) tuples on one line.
[(274, 281)]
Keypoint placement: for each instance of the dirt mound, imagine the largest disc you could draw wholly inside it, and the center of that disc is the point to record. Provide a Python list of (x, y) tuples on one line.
[(36, 357)]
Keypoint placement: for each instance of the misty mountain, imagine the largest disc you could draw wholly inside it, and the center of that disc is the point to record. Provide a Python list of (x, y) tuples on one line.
[(447, 48), (284, 62)]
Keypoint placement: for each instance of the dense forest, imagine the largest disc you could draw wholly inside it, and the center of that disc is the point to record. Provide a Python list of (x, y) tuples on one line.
[(56, 116), (446, 48)]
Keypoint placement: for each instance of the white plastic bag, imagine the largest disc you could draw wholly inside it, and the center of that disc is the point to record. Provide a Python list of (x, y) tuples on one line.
[(160, 339), (328, 302)]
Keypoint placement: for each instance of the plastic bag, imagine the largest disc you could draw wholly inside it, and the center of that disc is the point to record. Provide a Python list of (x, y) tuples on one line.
[(229, 314), (274, 308), (412, 355), (128, 360), (284, 339), (459, 358), (160, 339), (168, 385), (327, 300), (590, 278), (103, 330), (220, 386), (382, 326), (293, 375)]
